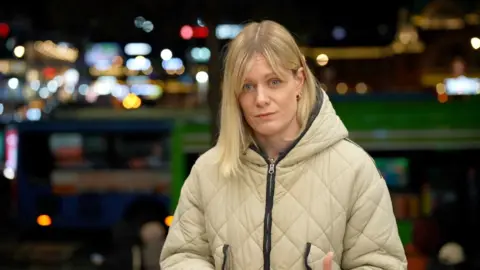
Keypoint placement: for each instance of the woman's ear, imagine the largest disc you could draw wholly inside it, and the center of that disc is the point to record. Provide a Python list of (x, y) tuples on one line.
[(300, 78)]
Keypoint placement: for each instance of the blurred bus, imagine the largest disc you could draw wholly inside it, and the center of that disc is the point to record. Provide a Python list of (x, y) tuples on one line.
[(79, 175)]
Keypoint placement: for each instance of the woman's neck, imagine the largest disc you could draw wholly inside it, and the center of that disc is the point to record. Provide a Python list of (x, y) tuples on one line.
[(275, 144)]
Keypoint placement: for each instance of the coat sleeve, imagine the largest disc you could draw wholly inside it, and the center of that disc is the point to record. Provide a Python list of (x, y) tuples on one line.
[(371, 238), (186, 246)]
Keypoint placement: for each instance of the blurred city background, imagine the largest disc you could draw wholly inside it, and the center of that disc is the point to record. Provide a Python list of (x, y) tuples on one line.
[(105, 105)]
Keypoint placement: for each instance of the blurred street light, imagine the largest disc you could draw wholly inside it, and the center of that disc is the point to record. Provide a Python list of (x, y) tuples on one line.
[(166, 54), (322, 59), (475, 42), (19, 51)]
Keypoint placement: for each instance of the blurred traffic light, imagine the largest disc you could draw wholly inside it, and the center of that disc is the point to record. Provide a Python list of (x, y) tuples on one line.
[(200, 32), (188, 32), (4, 30)]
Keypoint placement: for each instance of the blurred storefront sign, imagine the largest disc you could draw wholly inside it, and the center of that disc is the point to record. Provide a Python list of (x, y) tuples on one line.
[(49, 50), (12, 67), (462, 86), (108, 181)]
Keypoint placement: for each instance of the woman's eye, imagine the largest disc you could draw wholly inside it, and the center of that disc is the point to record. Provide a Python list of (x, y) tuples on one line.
[(248, 87), (275, 82)]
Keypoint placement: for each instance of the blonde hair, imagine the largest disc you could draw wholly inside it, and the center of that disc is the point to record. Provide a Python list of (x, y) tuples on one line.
[(277, 45)]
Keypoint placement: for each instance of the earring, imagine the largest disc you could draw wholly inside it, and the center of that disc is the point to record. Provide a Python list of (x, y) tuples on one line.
[(298, 97)]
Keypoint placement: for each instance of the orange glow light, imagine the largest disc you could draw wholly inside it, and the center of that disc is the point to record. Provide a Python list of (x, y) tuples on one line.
[(168, 221), (44, 220), (442, 98)]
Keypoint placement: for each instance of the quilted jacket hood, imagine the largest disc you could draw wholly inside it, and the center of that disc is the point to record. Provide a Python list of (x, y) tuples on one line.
[(323, 129)]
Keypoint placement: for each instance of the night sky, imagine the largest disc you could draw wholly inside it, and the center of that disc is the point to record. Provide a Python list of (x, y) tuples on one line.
[(313, 22)]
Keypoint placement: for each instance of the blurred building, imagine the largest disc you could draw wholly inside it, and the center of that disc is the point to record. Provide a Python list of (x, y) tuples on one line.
[(419, 58), (429, 42)]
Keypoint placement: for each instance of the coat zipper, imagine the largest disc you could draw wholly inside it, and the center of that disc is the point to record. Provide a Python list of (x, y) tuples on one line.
[(272, 163), (267, 223)]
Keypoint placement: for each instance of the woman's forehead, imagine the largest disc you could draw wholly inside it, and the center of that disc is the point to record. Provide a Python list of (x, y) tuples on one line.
[(260, 68)]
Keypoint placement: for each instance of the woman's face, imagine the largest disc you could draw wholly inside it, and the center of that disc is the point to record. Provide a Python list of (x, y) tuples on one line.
[(269, 101)]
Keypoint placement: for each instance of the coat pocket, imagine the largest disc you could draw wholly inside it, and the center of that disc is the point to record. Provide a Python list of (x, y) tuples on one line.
[(222, 258), (225, 257), (313, 258)]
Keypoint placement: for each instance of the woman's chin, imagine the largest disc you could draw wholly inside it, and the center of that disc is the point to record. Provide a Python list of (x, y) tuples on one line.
[(267, 129)]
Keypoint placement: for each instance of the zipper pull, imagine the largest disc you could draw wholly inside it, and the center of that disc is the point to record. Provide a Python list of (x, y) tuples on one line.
[(271, 168)]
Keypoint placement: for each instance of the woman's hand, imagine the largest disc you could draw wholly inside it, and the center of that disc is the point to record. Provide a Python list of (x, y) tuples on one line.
[(327, 261)]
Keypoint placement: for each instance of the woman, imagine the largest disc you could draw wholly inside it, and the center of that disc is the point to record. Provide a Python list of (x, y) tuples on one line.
[(284, 186)]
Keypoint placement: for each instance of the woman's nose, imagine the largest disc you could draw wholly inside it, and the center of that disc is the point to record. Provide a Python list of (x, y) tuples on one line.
[(262, 97)]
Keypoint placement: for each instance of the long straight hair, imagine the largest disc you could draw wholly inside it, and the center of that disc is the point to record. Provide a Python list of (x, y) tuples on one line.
[(277, 45)]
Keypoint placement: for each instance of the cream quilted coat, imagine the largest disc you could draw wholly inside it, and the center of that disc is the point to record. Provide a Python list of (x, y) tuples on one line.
[(324, 194)]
